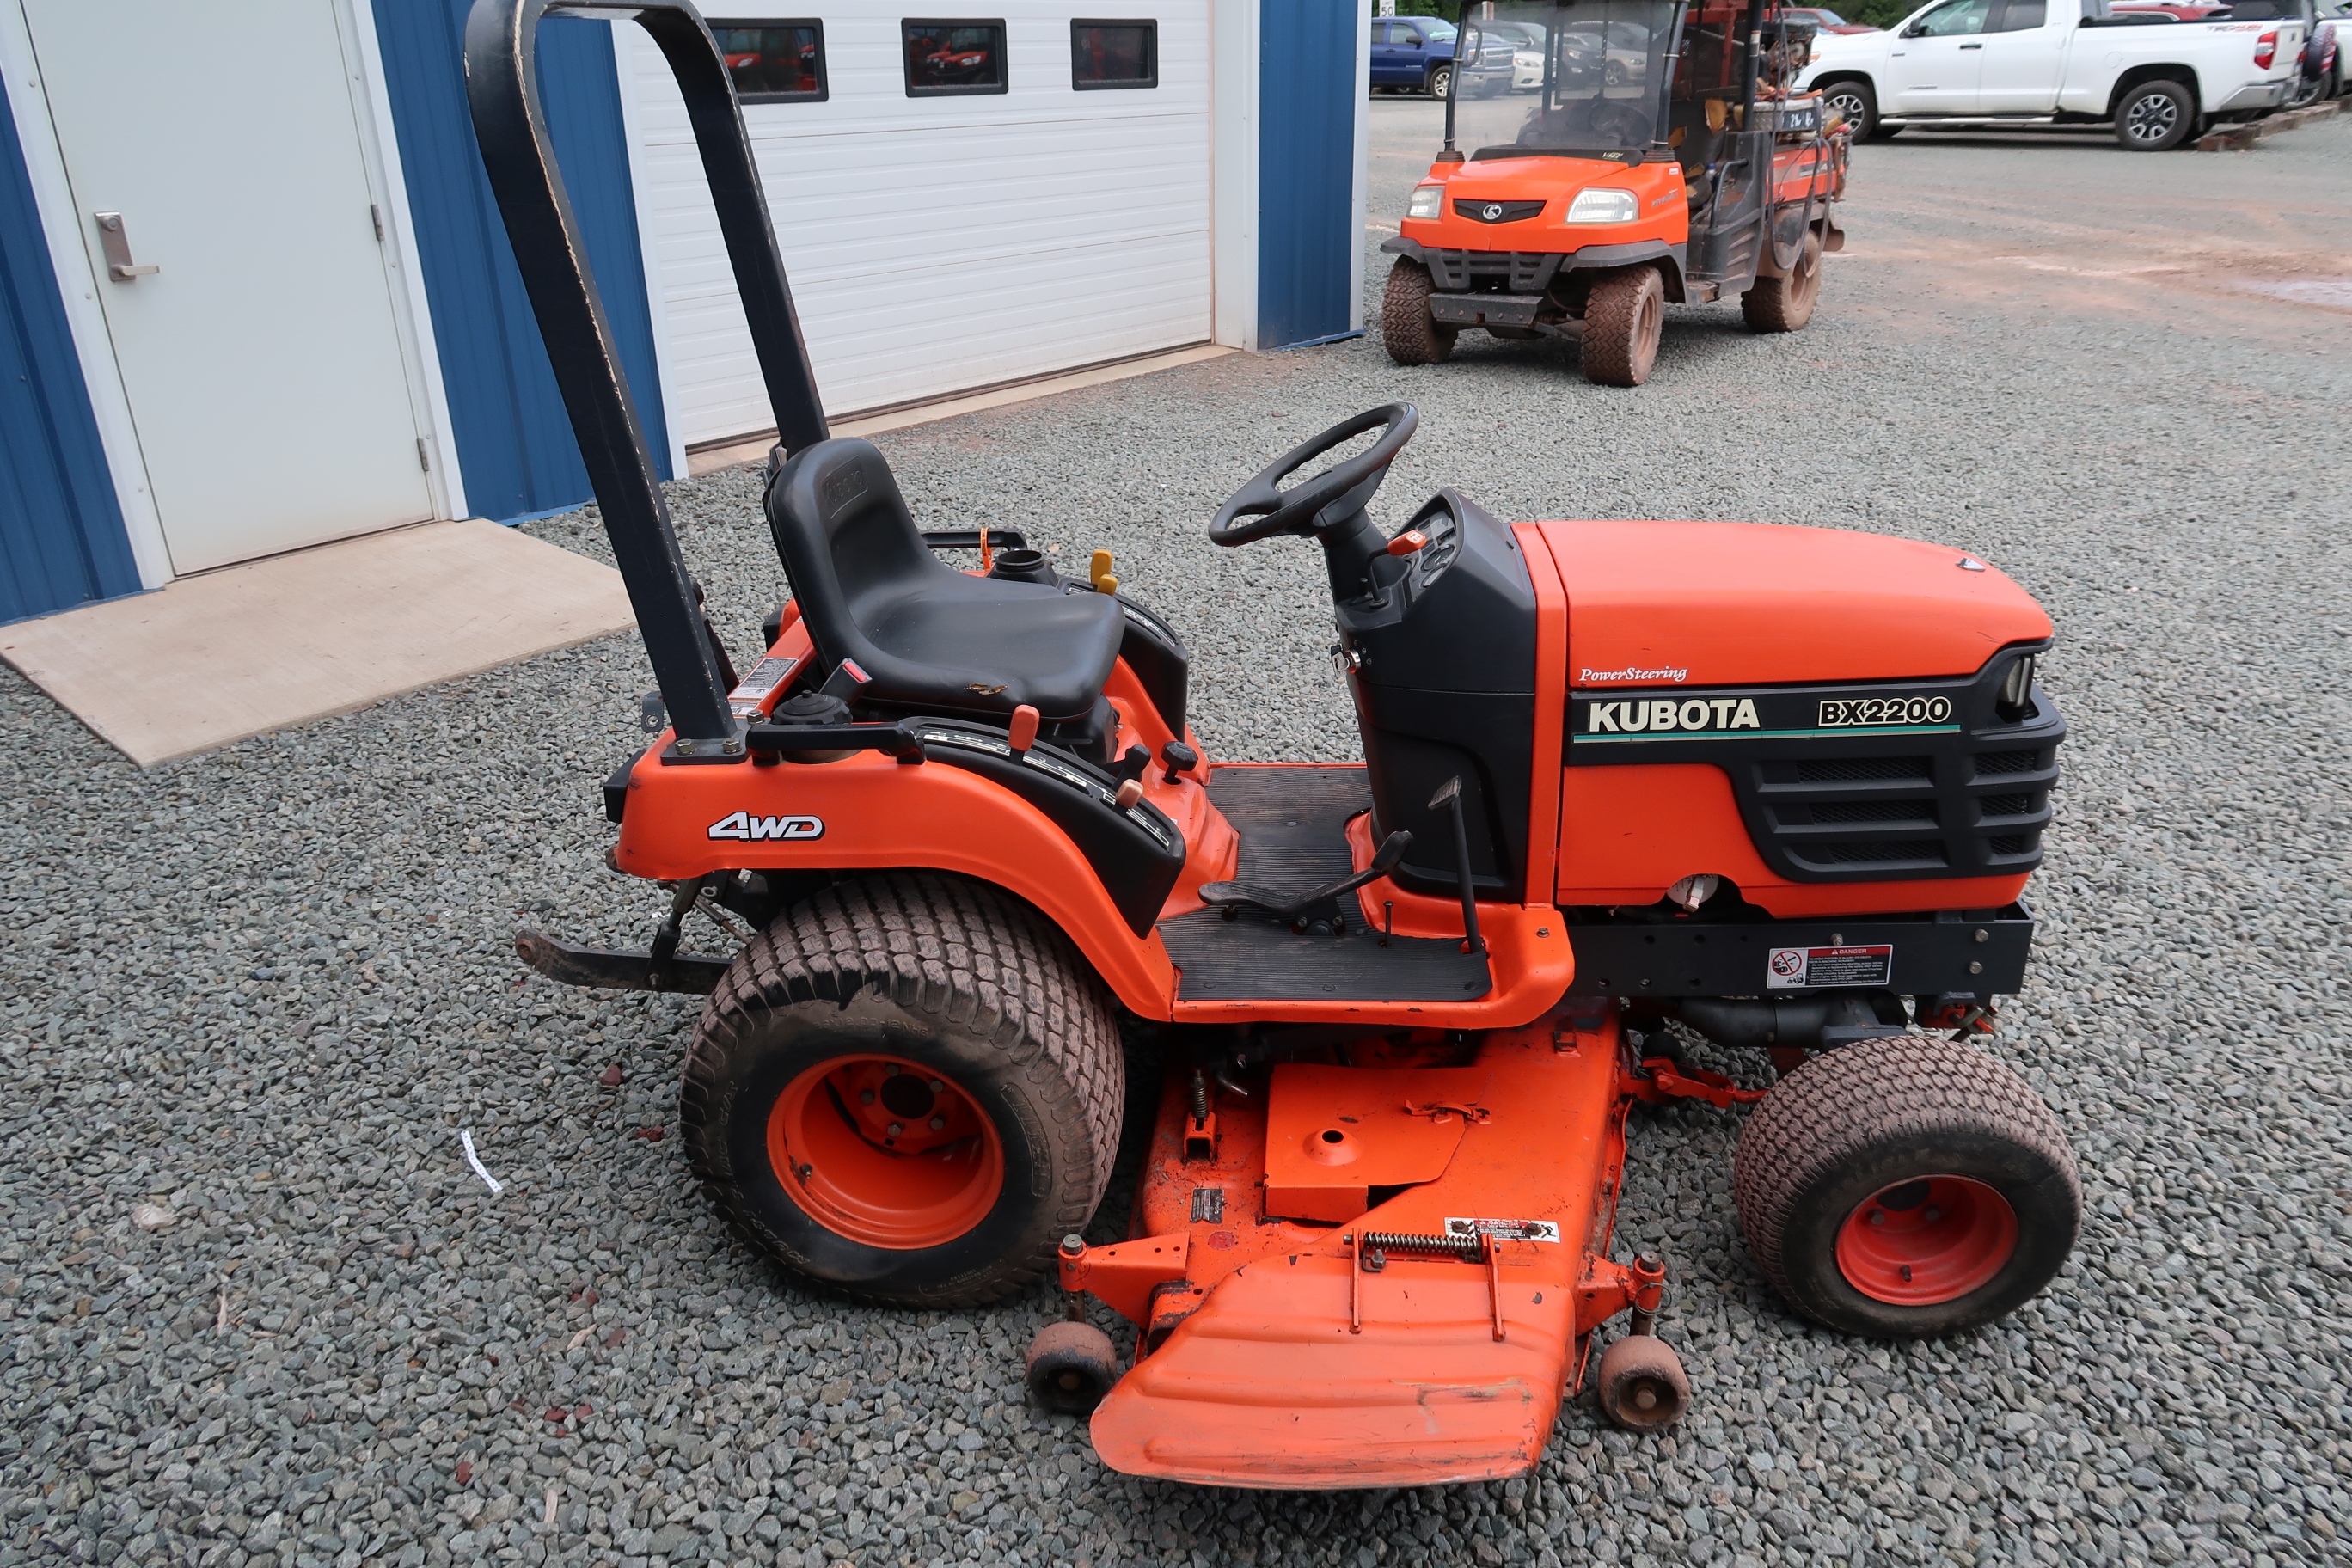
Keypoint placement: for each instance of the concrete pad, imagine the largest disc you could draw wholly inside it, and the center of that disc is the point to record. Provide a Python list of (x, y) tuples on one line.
[(755, 449), (271, 644)]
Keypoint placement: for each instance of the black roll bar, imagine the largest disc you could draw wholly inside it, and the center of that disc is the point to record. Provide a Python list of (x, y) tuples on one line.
[(502, 89)]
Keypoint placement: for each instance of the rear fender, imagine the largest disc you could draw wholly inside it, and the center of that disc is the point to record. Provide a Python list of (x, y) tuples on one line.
[(867, 812)]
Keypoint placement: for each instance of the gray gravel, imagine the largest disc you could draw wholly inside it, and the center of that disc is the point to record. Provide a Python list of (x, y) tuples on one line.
[(265, 990)]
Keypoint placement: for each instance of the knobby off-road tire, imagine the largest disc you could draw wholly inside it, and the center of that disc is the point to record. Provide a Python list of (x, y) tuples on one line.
[(976, 994), (1886, 1123), (1410, 334), (1785, 304), (1622, 319)]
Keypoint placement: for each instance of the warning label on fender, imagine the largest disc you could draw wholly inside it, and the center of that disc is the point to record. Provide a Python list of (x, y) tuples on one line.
[(1505, 1230), (1794, 966)]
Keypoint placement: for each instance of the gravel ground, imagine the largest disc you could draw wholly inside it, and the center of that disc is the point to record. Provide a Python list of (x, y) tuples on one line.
[(264, 991)]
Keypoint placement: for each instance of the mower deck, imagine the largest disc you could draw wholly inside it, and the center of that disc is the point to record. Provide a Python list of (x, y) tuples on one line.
[(1295, 1333), (1292, 826)]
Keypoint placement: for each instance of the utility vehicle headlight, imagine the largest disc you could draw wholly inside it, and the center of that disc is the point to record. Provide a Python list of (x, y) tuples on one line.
[(1428, 201), (1602, 205)]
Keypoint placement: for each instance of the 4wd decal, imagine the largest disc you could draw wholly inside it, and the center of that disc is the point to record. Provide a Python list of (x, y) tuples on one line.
[(743, 825)]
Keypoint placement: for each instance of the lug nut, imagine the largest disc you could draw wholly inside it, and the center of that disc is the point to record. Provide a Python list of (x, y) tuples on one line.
[(865, 1097), (938, 1086), (939, 1122), (1878, 1216), (896, 1130), (1932, 1214)]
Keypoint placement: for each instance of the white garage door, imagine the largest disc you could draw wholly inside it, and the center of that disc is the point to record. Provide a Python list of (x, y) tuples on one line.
[(938, 244)]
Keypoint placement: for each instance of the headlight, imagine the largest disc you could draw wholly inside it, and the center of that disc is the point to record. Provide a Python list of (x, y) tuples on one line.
[(1428, 201), (1527, 61), (2017, 689), (1602, 205)]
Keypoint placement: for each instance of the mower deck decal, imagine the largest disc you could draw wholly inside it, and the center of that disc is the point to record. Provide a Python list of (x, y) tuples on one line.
[(1503, 1229)]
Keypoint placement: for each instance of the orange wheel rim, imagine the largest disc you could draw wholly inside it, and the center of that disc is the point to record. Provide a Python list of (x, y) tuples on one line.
[(885, 1151), (1926, 1241)]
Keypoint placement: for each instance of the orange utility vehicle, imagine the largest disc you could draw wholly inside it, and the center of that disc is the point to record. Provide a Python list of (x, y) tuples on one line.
[(1662, 161), (1779, 787)]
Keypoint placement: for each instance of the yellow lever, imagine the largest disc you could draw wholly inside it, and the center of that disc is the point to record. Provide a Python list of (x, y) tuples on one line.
[(1098, 573)]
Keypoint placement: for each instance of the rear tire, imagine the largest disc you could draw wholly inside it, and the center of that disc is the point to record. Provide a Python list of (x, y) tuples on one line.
[(2154, 117), (1785, 304), (1623, 318), (1857, 101), (1906, 1187), (1412, 335), (1440, 81), (908, 1089)]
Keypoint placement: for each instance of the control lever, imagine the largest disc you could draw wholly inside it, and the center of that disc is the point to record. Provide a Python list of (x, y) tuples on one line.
[(1449, 797), (1235, 897)]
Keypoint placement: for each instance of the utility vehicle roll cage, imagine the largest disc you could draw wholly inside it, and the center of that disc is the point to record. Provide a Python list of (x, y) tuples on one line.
[(502, 90)]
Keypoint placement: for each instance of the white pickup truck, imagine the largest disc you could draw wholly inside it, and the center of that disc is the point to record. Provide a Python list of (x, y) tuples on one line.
[(1980, 63)]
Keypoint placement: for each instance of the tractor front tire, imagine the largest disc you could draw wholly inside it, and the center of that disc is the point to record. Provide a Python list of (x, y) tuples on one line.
[(1623, 316), (1412, 335), (1904, 1188), (907, 1089), (1784, 304)]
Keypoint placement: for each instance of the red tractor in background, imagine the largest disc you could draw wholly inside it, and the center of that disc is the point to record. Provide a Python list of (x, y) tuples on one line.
[(1663, 161)]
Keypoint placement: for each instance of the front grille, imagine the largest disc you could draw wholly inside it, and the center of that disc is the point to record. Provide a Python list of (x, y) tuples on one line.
[(1497, 212), (2006, 805), (1888, 853), (2014, 843), (1859, 770), (1513, 272), (2008, 763), (1922, 813)]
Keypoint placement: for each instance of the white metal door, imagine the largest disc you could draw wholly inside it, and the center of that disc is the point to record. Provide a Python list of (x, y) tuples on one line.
[(939, 244), (261, 355), (1937, 71), (2024, 58)]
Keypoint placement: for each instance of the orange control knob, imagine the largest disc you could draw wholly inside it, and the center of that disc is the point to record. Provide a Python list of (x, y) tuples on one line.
[(1024, 728), (1405, 544)]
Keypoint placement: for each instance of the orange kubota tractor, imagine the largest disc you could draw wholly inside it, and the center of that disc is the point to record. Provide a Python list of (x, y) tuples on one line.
[(1657, 158), (1782, 788)]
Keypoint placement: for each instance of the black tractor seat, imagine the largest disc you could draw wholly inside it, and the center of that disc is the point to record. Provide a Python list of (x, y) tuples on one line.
[(925, 636)]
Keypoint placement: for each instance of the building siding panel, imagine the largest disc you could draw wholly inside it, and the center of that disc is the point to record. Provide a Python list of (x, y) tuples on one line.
[(1308, 98), (62, 541), (514, 441), (937, 244)]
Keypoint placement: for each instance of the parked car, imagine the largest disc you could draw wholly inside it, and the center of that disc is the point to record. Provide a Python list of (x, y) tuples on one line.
[(1991, 63), (1415, 53), (1824, 21), (1526, 40)]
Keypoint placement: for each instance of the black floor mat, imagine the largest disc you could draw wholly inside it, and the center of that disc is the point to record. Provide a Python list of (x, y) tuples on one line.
[(1292, 823)]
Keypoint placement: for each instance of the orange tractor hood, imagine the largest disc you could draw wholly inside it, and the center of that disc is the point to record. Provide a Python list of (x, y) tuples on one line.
[(1731, 604)]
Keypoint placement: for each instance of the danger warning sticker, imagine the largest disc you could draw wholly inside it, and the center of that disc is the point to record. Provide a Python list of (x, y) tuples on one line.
[(1505, 1230), (1793, 966)]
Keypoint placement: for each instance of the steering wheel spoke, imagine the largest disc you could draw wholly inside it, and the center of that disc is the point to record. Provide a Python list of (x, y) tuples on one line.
[(1262, 508)]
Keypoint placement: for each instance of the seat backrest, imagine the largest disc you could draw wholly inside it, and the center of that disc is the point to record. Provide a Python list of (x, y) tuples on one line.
[(847, 540)]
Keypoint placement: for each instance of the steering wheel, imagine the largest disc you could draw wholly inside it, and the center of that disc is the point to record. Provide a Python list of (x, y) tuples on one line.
[(1260, 509)]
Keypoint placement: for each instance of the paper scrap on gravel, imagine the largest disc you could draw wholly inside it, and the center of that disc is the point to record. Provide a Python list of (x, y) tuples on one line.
[(216, 658)]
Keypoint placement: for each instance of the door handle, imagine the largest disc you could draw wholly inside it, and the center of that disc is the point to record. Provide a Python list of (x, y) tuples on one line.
[(116, 242), (1972, 45)]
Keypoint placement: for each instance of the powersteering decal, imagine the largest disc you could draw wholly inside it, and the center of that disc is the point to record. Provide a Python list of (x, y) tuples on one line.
[(743, 825)]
